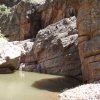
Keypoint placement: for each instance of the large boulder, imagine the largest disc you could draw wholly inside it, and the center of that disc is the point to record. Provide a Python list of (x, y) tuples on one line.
[(55, 48)]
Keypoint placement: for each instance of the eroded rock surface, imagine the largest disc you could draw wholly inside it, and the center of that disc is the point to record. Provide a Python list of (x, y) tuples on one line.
[(55, 48)]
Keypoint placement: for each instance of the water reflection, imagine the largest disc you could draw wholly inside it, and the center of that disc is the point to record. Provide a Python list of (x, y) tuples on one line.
[(32, 86), (22, 65), (56, 84), (21, 74)]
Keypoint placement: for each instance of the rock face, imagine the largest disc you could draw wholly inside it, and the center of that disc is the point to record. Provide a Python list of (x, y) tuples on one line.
[(28, 17), (89, 38), (84, 92), (18, 24), (55, 48), (11, 54), (55, 10)]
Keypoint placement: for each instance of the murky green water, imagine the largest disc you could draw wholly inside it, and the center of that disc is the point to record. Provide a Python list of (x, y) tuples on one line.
[(31, 86), (27, 86)]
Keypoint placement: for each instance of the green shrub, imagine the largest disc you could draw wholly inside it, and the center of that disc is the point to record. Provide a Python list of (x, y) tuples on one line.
[(4, 9)]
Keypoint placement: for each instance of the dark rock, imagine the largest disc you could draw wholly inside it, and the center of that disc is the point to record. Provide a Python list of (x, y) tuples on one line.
[(6, 70)]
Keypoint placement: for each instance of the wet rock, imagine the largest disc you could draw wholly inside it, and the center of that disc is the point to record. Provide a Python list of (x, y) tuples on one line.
[(6, 70)]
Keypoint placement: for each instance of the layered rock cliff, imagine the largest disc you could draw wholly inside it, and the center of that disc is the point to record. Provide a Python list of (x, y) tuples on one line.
[(89, 38), (57, 52), (27, 18)]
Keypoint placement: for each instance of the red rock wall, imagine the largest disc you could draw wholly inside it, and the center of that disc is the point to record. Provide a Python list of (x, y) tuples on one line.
[(89, 38)]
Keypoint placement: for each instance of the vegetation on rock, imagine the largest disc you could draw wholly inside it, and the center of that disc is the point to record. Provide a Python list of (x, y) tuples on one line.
[(4, 9)]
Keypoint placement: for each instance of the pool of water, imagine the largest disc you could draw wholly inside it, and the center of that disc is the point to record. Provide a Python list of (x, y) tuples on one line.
[(22, 85)]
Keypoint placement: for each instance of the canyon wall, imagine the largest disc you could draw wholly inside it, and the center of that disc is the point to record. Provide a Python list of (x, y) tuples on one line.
[(89, 38), (27, 18), (57, 53)]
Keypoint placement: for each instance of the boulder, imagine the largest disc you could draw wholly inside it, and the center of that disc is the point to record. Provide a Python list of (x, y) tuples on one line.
[(55, 48), (11, 54)]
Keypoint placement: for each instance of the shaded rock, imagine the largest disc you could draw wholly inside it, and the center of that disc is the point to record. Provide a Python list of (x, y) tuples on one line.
[(30, 67), (9, 3), (55, 10), (84, 92), (55, 48), (6, 70)]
